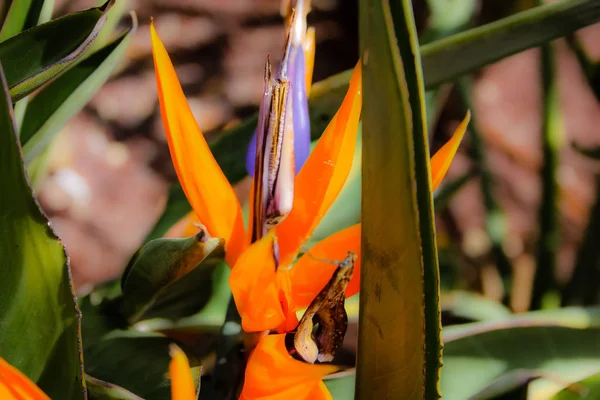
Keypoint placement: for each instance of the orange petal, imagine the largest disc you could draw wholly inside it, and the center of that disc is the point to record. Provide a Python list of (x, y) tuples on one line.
[(320, 392), (309, 57), (321, 178), (273, 374), (14, 385), (440, 162), (203, 182), (255, 289), (310, 274), (182, 383)]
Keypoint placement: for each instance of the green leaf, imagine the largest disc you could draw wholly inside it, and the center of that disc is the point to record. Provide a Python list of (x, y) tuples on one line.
[(37, 304), (25, 14), (52, 48), (100, 390), (474, 307), (399, 341), (171, 278), (589, 388), (341, 385), (485, 357), (448, 58), (64, 97), (136, 361)]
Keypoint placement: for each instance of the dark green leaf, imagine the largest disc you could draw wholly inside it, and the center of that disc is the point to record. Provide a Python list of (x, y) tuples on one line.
[(60, 100), (135, 361), (37, 306), (52, 48), (399, 339), (171, 278)]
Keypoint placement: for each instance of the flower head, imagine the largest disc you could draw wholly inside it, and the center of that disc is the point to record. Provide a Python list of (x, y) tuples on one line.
[(298, 65)]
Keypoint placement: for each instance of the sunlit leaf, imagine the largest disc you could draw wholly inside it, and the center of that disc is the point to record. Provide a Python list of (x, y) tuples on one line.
[(37, 304), (51, 49), (50, 109)]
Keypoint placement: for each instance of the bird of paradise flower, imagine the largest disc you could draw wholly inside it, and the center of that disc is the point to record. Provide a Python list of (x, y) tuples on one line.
[(268, 283)]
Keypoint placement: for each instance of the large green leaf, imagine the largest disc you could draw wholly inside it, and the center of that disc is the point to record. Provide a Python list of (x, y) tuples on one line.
[(63, 98), (52, 48), (171, 278), (37, 306), (498, 356), (399, 342)]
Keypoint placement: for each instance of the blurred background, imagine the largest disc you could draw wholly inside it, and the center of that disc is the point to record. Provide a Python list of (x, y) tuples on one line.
[(110, 169)]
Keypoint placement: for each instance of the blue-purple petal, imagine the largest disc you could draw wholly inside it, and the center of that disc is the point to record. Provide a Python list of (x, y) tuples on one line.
[(300, 116), (300, 111)]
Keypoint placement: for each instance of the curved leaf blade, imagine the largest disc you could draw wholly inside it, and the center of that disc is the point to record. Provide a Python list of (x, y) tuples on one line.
[(56, 103), (36, 294), (52, 48)]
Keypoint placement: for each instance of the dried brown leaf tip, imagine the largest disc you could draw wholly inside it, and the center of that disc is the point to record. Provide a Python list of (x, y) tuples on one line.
[(322, 329)]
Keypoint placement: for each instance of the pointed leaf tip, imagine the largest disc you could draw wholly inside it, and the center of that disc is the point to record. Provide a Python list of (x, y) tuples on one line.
[(441, 160)]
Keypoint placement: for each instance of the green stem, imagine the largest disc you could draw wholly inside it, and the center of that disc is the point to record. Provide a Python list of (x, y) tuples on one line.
[(552, 135)]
